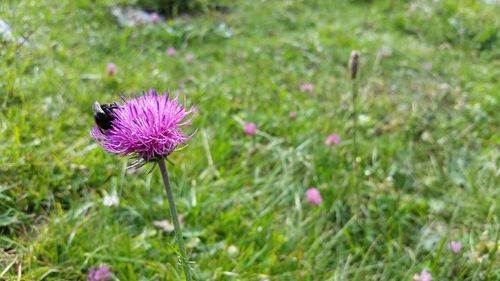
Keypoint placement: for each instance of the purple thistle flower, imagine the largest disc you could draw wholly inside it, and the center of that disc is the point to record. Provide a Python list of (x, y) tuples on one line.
[(101, 273), (147, 126)]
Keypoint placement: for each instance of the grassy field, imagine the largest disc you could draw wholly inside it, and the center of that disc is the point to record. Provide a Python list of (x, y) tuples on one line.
[(428, 142)]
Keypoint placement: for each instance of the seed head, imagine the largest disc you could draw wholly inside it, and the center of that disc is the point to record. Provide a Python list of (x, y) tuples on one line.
[(354, 64)]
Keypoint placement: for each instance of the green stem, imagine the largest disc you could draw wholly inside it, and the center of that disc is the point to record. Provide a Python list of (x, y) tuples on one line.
[(175, 219), (354, 121)]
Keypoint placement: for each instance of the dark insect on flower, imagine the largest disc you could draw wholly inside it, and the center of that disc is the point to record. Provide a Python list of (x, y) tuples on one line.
[(103, 115)]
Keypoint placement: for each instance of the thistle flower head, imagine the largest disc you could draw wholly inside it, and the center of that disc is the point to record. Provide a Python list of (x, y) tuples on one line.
[(148, 126)]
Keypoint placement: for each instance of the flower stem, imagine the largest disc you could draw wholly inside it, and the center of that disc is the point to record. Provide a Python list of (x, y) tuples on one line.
[(354, 121), (175, 219)]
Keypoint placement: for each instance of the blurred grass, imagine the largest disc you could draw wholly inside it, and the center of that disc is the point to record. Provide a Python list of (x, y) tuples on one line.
[(429, 101)]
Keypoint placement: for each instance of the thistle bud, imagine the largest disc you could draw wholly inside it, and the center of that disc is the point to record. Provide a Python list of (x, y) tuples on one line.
[(354, 64)]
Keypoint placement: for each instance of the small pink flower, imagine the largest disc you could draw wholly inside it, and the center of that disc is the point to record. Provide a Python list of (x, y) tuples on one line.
[(307, 87), (455, 246), (171, 52), (111, 69), (250, 129), (189, 57), (101, 273), (423, 276), (313, 196), (154, 18), (293, 114), (332, 139)]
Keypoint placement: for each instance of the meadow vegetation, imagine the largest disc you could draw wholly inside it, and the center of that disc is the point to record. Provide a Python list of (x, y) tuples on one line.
[(426, 171)]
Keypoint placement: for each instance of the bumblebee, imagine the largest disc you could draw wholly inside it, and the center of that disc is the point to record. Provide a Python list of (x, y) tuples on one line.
[(103, 115)]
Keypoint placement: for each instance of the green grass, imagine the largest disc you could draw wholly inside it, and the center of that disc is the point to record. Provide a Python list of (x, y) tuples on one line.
[(428, 144)]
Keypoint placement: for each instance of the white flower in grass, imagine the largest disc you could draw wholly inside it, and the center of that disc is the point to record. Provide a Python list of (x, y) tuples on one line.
[(111, 199), (233, 251), (364, 119)]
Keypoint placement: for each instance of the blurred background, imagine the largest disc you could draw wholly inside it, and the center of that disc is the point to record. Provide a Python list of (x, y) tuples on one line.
[(424, 174)]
